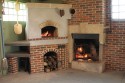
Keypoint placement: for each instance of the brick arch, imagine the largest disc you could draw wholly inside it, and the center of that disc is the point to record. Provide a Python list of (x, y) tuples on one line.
[(48, 50), (49, 23)]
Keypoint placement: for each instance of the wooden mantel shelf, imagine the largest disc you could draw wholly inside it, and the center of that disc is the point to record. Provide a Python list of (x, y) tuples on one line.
[(18, 54)]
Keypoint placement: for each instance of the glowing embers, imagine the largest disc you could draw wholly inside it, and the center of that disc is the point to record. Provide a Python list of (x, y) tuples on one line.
[(81, 54), (49, 31), (86, 49)]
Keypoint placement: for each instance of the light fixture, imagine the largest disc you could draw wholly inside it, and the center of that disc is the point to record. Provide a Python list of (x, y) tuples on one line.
[(17, 26)]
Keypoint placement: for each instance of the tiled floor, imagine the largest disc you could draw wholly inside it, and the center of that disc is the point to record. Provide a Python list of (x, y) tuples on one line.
[(65, 76)]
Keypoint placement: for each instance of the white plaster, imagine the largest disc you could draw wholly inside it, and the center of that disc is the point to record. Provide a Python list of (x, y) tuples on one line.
[(39, 13)]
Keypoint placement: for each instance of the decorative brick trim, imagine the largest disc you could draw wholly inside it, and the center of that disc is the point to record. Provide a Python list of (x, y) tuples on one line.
[(47, 38), (48, 50)]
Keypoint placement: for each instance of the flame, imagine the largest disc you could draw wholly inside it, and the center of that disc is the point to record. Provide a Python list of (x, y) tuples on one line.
[(46, 34), (49, 34), (85, 55), (80, 49), (79, 56)]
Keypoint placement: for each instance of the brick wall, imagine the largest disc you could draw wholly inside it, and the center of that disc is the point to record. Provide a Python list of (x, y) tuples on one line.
[(87, 11), (114, 49), (38, 52), (92, 11)]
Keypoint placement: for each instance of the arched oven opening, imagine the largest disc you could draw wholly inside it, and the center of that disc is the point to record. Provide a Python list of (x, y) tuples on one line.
[(50, 61), (49, 31)]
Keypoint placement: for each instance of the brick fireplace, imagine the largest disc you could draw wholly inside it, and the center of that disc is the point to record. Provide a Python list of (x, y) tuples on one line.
[(47, 35), (88, 35), (90, 17), (47, 32)]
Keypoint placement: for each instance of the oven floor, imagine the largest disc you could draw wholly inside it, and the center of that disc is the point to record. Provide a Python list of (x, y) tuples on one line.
[(65, 76)]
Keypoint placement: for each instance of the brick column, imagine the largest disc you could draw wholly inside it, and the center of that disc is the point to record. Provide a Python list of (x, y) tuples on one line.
[(36, 59), (13, 64)]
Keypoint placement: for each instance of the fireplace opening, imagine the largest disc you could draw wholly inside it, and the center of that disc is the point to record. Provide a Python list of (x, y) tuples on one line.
[(24, 64), (49, 31), (86, 47), (50, 61)]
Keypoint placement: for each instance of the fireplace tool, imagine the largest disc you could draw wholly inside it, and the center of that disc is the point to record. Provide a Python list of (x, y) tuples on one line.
[(4, 60)]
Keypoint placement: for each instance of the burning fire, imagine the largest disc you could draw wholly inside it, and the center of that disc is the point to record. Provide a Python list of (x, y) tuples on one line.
[(79, 56), (85, 55), (80, 49), (46, 34)]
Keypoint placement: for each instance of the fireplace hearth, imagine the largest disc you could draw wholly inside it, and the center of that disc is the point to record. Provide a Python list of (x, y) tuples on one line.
[(87, 42), (87, 52)]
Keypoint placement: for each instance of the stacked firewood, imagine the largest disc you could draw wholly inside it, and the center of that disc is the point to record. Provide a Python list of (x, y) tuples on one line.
[(50, 63)]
